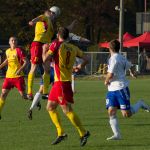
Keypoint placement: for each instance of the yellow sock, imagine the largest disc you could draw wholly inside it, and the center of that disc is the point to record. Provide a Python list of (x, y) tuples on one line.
[(76, 122), (46, 81), (56, 120), (30, 82), (2, 102)]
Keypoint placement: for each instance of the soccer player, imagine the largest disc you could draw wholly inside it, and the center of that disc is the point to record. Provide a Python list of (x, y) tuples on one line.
[(118, 96), (16, 62), (44, 31), (36, 100), (63, 54)]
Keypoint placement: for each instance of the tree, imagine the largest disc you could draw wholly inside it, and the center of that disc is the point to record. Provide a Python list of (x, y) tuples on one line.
[(97, 19)]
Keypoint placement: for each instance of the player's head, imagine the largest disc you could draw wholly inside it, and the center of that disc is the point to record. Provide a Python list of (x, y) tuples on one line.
[(63, 33), (13, 42), (114, 46), (53, 12)]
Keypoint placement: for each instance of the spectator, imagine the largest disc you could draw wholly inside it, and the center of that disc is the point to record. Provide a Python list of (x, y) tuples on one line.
[(142, 61)]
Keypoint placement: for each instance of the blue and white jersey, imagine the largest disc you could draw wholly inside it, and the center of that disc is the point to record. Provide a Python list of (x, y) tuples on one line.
[(118, 64)]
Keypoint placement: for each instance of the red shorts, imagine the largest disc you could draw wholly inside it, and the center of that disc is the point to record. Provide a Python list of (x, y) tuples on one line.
[(10, 83), (36, 52), (61, 93)]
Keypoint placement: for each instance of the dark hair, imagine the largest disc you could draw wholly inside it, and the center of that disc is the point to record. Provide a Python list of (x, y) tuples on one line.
[(63, 32), (114, 45), (13, 37)]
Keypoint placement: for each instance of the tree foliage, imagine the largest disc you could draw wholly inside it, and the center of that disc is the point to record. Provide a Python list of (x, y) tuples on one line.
[(97, 19)]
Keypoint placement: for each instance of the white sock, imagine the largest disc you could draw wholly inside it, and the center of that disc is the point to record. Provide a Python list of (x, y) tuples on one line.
[(136, 107), (114, 125), (35, 100), (73, 84)]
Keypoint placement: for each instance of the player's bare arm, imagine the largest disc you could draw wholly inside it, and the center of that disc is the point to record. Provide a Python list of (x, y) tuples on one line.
[(85, 59), (4, 63), (109, 76), (22, 67), (132, 72), (34, 21)]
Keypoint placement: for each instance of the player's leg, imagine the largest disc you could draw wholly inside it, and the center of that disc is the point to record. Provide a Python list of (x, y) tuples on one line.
[(35, 102), (74, 119), (36, 58), (30, 80), (3, 96), (51, 108), (113, 121), (112, 105), (51, 76), (53, 113), (124, 101), (19, 83), (6, 87), (65, 100), (36, 98), (46, 77), (140, 104), (135, 108)]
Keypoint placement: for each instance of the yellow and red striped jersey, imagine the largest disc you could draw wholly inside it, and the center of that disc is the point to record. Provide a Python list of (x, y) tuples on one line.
[(44, 30), (64, 55), (14, 57)]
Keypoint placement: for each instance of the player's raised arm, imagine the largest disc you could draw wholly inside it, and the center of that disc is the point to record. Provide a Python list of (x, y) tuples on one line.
[(4, 63), (35, 20)]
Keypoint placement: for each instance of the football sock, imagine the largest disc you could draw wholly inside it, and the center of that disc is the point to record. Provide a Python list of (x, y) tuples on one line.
[(35, 100), (2, 102), (46, 81), (56, 120), (114, 125), (30, 82), (136, 107), (76, 123)]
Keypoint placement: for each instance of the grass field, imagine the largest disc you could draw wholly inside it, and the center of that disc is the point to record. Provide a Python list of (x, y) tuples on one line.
[(19, 133)]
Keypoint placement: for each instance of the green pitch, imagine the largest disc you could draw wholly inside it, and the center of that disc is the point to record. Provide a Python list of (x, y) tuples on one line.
[(17, 132)]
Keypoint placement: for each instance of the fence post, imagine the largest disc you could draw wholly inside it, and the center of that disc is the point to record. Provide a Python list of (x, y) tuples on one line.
[(91, 63), (138, 58)]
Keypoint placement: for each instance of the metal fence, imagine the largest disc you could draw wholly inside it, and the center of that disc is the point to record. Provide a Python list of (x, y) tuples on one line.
[(98, 62), (95, 61)]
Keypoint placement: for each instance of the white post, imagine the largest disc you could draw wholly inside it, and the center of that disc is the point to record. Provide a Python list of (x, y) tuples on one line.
[(73, 83)]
